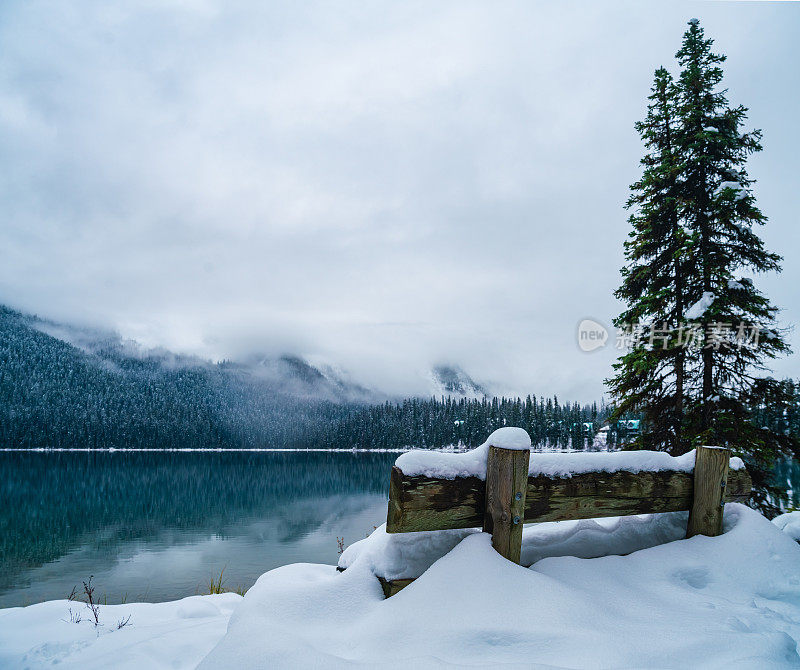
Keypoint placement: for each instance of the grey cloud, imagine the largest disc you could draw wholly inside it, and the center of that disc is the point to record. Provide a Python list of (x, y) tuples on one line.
[(383, 186)]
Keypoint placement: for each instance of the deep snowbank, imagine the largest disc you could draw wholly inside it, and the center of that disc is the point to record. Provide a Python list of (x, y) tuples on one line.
[(726, 602), (408, 555)]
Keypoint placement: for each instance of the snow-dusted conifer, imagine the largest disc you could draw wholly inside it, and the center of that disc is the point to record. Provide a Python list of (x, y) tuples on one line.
[(693, 235)]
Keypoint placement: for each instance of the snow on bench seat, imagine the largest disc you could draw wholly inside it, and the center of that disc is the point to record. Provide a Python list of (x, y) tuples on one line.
[(443, 465)]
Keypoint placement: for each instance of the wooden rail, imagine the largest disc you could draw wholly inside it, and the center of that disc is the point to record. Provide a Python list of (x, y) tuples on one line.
[(424, 503)]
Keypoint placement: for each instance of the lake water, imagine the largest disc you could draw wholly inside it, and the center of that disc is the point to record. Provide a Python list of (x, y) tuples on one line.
[(787, 475), (158, 525)]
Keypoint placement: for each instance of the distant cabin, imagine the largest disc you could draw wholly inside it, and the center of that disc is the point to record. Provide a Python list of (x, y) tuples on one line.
[(631, 425), (627, 425), (587, 428)]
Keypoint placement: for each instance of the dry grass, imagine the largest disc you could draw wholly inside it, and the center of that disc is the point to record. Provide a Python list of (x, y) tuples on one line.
[(218, 585)]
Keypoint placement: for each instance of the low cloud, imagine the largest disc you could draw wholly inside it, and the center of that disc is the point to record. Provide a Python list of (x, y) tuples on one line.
[(383, 186)]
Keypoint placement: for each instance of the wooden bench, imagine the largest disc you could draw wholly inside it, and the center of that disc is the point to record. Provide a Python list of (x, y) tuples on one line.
[(508, 497)]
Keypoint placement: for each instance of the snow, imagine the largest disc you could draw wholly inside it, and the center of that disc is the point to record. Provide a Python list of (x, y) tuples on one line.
[(610, 593), (727, 602), (790, 524), (699, 308), (566, 465), (401, 555), (741, 193), (159, 635), (510, 438), (473, 463), (444, 465), (408, 555), (470, 463), (736, 285), (735, 185), (592, 538)]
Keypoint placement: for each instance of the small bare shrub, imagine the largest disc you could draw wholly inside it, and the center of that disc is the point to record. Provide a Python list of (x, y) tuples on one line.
[(74, 617), (92, 605), (88, 591)]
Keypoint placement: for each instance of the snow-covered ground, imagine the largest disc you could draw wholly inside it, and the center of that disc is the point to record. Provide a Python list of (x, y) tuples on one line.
[(173, 635), (727, 602), (789, 523)]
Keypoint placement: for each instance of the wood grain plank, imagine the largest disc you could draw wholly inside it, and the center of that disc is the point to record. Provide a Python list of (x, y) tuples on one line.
[(392, 586), (421, 503)]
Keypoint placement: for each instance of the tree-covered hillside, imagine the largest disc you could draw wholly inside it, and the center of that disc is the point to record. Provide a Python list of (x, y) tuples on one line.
[(437, 423), (53, 394), (97, 393)]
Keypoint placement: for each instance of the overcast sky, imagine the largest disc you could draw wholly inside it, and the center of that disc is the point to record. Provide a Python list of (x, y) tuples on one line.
[(378, 185)]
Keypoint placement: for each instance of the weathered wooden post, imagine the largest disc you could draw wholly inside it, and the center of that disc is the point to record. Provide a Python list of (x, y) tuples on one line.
[(506, 486), (710, 481)]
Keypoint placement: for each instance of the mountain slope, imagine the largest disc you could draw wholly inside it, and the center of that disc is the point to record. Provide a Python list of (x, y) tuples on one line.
[(449, 380), (55, 394), (64, 387)]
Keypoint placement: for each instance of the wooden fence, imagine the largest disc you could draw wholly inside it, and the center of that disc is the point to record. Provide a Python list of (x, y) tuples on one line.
[(507, 498)]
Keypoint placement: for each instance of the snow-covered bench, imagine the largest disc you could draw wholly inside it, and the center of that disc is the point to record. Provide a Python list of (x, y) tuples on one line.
[(499, 487)]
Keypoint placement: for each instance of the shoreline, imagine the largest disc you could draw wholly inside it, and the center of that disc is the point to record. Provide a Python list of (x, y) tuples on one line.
[(353, 450)]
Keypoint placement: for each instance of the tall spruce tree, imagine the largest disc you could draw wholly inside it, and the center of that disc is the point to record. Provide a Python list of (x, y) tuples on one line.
[(652, 377), (693, 220)]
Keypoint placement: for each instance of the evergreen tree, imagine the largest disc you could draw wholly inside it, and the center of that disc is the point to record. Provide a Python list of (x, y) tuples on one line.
[(694, 206), (721, 211), (652, 376)]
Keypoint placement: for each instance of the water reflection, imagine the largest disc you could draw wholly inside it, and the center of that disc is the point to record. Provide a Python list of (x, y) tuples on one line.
[(156, 526)]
